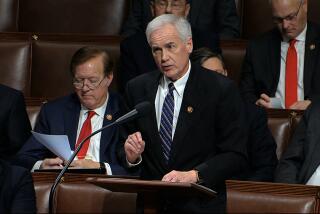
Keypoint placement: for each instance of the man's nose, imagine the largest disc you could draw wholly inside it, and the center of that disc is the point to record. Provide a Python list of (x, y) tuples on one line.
[(164, 56)]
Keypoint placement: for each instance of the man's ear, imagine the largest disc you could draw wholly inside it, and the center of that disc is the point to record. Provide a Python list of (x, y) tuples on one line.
[(189, 45), (109, 79)]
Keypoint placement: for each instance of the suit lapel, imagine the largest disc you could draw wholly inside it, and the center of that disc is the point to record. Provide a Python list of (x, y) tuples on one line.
[(71, 119), (111, 114), (275, 57), (151, 122), (310, 58), (189, 112)]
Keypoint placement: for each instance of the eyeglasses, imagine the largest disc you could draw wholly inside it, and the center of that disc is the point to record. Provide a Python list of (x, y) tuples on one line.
[(91, 83), (289, 18), (175, 4)]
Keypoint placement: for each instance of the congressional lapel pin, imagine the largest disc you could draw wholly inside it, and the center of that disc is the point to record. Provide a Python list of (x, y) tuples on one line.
[(312, 47), (109, 117), (189, 109)]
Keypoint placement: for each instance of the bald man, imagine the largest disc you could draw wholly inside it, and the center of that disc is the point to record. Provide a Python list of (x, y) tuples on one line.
[(283, 63)]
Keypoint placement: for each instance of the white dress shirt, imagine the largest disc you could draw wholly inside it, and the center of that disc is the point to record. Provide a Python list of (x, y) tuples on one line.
[(300, 48), (162, 92)]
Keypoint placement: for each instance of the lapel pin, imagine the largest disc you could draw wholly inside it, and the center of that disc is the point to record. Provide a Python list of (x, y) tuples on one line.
[(189, 109), (109, 117), (312, 46)]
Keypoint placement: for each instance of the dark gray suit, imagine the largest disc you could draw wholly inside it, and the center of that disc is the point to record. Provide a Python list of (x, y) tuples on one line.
[(302, 157)]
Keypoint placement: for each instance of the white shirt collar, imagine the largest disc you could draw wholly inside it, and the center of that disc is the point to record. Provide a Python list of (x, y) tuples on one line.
[(178, 84)]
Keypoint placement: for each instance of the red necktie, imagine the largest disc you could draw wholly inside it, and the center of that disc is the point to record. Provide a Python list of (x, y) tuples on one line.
[(85, 132), (291, 88)]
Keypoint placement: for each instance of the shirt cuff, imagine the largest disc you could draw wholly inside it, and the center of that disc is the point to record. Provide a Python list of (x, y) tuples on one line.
[(36, 165), (134, 164), (108, 169)]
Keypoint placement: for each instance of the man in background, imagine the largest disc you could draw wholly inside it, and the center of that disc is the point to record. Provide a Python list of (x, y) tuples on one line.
[(15, 125), (282, 65), (90, 107)]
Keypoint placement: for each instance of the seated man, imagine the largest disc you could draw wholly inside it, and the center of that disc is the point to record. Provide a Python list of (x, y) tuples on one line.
[(17, 193), (195, 132), (14, 122), (78, 115), (135, 53), (204, 14), (300, 162), (282, 66), (261, 145)]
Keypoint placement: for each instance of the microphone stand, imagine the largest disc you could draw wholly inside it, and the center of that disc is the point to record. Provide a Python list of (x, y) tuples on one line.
[(64, 169)]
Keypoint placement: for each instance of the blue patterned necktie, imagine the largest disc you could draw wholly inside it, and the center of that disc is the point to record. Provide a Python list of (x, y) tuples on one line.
[(166, 122)]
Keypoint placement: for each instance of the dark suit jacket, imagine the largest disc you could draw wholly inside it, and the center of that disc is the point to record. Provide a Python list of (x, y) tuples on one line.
[(214, 15), (261, 67), (61, 117), (210, 138), (17, 193), (14, 122), (261, 146), (301, 157), (136, 56)]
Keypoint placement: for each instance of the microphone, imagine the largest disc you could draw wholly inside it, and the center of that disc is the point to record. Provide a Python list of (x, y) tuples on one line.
[(140, 110)]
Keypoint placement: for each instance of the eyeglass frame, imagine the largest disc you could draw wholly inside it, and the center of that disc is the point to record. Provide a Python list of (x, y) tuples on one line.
[(289, 18), (175, 7), (82, 83)]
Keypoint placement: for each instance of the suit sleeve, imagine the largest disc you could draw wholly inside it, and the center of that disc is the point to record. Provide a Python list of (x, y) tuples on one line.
[(291, 161), (261, 146), (247, 79), (228, 20), (24, 195), (32, 151), (230, 157), (18, 124)]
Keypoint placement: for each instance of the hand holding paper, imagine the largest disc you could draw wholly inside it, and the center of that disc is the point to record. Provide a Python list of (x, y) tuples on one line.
[(57, 144)]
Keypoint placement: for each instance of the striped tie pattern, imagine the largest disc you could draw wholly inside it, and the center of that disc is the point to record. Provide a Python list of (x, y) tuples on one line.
[(166, 122)]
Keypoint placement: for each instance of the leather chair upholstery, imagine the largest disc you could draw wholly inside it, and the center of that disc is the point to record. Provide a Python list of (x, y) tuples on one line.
[(264, 197), (9, 15), (104, 17), (282, 124), (74, 195), (15, 54), (233, 52), (51, 59)]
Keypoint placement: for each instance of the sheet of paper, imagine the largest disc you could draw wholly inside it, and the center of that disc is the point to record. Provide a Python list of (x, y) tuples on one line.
[(276, 102), (58, 144)]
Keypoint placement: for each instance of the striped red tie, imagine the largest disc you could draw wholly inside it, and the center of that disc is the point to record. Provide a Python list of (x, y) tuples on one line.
[(291, 81)]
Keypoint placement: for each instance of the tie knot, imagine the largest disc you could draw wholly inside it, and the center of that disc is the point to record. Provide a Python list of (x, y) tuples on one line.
[(90, 114), (171, 87), (292, 42)]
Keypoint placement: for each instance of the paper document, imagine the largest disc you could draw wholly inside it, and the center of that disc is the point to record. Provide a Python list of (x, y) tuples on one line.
[(58, 144), (276, 102)]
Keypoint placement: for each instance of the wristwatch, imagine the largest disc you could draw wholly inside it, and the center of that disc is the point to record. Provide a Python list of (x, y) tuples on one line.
[(199, 177), (102, 168)]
